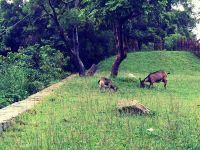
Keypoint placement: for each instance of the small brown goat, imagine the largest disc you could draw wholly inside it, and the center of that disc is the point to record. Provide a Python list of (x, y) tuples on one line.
[(155, 77), (107, 84)]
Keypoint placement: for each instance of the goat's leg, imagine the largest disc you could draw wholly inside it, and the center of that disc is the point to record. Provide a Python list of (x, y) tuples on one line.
[(151, 84), (101, 88), (165, 83), (110, 86)]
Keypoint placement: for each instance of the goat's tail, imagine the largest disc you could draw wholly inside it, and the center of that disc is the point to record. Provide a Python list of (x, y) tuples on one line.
[(98, 81)]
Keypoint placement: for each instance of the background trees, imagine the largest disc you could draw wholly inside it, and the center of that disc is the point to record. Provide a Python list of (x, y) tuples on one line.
[(89, 30), (65, 19), (141, 22)]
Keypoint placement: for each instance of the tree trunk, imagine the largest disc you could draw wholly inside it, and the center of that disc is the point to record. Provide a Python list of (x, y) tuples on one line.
[(74, 50), (135, 45), (139, 45), (119, 45), (75, 53), (79, 64), (158, 44)]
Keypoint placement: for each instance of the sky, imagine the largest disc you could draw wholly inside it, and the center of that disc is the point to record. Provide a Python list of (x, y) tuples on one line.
[(197, 9), (196, 4)]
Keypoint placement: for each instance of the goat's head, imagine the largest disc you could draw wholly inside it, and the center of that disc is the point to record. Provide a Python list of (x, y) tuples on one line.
[(142, 85), (115, 88)]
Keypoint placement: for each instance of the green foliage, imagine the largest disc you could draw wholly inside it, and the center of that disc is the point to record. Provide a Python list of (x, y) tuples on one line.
[(34, 86), (160, 20), (73, 17), (171, 41), (28, 71), (112, 10), (51, 63), (12, 84), (12, 23)]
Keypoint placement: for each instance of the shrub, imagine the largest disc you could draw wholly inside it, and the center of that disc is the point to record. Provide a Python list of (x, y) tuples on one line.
[(34, 87), (171, 41), (29, 71), (12, 84)]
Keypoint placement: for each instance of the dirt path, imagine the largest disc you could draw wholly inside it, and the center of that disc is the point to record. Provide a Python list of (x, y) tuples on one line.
[(8, 113)]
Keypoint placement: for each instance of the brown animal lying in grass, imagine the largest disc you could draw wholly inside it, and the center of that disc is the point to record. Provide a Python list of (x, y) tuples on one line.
[(155, 77), (105, 83)]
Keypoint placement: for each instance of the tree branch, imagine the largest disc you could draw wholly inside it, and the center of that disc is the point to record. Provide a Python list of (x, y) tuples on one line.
[(53, 9), (60, 29), (9, 28), (39, 18), (66, 3), (77, 2), (48, 13)]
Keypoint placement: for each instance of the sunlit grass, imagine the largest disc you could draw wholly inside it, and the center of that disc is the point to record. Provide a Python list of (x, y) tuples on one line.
[(80, 116)]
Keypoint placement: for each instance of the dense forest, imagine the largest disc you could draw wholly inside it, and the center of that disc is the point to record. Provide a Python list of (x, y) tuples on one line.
[(44, 41)]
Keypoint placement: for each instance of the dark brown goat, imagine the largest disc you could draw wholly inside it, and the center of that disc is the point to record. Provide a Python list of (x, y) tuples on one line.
[(155, 77), (107, 84)]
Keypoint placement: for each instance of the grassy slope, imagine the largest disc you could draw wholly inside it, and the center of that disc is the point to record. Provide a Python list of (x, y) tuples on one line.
[(145, 62), (79, 116)]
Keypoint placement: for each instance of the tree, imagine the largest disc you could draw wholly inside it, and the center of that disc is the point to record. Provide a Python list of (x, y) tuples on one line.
[(161, 21), (46, 19), (120, 14), (54, 9), (12, 23), (116, 13)]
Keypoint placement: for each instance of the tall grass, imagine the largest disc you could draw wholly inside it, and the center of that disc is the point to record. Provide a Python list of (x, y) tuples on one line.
[(80, 116)]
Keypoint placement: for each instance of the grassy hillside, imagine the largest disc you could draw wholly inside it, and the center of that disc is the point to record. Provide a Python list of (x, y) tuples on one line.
[(80, 116), (144, 62)]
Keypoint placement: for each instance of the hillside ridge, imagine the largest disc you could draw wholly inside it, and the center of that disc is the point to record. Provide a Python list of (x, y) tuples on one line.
[(176, 62)]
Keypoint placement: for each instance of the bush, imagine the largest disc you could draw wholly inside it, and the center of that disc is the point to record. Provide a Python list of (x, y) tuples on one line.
[(34, 87), (51, 63), (29, 71), (12, 84), (171, 41)]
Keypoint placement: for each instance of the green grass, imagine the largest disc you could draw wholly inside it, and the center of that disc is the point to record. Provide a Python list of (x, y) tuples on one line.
[(145, 62), (80, 116)]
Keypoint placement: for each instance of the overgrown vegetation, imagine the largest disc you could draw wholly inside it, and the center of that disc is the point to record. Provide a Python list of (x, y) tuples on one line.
[(80, 116), (40, 40), (29, 71)]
